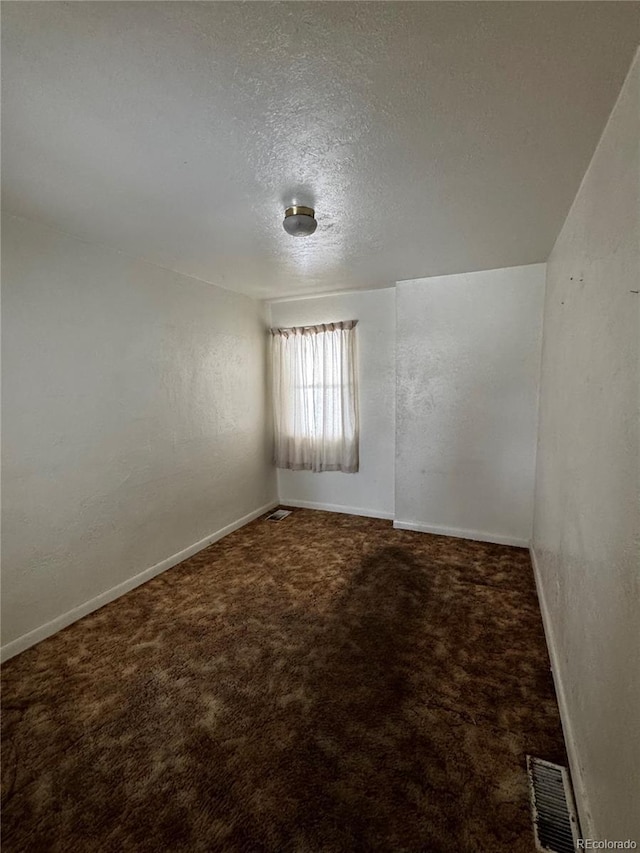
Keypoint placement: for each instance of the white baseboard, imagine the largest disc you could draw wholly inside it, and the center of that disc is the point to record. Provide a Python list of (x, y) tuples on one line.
[(346, 510), (32, 637), (459, 533), (579, 790)]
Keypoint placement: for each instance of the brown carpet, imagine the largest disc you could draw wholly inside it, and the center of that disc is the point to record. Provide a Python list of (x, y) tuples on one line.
[(324, 683)]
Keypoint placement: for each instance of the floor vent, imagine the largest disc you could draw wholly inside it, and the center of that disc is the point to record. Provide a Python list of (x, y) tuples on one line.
[(555, 823), (279, 514)]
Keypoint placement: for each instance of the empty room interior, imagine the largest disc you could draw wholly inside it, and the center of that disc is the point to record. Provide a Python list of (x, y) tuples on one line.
[(320, 426)]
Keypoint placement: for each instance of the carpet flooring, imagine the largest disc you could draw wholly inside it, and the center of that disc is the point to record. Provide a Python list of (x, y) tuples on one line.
[(321, 684)]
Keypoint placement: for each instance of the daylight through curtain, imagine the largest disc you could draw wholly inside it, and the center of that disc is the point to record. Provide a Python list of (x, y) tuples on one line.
[(315, 399)]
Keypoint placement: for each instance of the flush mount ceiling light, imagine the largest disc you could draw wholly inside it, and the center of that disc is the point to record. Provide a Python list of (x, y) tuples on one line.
[(299, 221)]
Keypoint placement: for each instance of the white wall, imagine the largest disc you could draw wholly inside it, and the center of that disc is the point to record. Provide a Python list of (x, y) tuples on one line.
[(468, 358), (133, 419), (370, 491), (587, 509)]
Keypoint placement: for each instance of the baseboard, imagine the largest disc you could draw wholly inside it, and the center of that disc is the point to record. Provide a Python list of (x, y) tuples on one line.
[(580, 794), (49, 628), (459, 533), (346, 510)]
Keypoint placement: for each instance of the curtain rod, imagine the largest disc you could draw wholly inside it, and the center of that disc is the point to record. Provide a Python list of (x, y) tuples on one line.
[(316, 329)]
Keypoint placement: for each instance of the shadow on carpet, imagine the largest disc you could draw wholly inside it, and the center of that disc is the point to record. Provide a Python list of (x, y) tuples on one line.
[(318, 685)]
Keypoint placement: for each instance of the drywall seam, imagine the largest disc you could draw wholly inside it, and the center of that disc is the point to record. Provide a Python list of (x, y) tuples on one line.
[(459, 533), (345, 510), (579, 790), (49, 628), (538, 403)]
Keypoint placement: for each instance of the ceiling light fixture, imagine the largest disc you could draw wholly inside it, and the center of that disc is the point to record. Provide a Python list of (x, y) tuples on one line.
[(299, 221)]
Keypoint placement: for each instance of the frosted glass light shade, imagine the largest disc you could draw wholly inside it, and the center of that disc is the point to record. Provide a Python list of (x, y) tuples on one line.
[(299, 221)]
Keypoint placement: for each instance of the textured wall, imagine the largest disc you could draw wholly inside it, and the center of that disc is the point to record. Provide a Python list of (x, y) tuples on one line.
[(133, 419), (587, 513), (370, 490), (468, 358)]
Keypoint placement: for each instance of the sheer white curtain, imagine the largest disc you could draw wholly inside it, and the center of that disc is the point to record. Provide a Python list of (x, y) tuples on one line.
[(315, 397)]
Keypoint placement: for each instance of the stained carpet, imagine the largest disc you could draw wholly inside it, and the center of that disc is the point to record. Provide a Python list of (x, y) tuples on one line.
[(320, 684)]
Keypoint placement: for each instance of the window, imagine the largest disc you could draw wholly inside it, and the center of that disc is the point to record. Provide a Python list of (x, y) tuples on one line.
[(315, 397)]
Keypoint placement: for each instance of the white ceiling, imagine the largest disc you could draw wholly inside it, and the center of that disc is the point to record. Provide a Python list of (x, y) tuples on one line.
[(430, 137)]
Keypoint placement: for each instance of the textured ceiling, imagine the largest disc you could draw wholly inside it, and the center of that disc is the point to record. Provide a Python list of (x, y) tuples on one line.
[(430, 137)]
